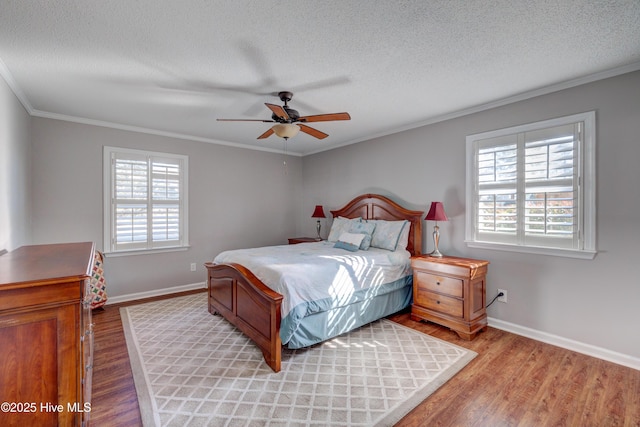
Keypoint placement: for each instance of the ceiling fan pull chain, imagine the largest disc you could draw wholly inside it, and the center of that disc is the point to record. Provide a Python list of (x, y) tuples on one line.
[(284, 157)]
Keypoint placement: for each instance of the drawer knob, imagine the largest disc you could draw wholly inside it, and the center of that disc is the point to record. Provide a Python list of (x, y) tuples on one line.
[(437, 302), (438, 283)]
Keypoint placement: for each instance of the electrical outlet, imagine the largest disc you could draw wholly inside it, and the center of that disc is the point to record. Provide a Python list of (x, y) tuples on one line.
[(193, 266), (503, 298)]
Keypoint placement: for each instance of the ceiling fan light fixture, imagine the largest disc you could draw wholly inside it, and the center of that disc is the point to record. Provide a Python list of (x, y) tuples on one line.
[(286, 130)]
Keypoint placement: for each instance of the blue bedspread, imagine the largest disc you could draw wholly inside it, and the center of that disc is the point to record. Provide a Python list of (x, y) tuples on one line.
[(316, 277)]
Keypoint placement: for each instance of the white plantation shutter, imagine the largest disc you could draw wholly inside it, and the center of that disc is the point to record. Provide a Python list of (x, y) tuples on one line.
[(525, 189), (551, 157), (145, 201), (165, 201), (129, 201), (497, 188)]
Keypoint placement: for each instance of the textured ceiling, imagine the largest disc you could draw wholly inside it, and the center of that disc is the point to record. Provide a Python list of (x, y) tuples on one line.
[(173, 67)]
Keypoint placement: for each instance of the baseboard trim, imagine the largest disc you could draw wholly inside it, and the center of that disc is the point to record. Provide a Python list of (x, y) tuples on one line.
[(156, 293), (569, 344)]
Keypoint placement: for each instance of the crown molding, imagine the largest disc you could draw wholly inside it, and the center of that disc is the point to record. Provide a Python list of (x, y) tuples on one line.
[(149, 131), (13, 85)]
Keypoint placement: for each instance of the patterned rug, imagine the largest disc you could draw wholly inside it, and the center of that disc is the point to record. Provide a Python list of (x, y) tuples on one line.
[(194, 369)]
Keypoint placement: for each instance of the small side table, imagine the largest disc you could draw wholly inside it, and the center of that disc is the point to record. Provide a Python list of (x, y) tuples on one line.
[(450, 291), (296, 240)]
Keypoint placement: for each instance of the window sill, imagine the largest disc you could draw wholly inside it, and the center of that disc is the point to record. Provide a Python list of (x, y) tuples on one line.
[(567, 253), (145, 251)]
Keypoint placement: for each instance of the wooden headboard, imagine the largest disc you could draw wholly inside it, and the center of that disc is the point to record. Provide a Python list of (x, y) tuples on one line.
[(375, 206)]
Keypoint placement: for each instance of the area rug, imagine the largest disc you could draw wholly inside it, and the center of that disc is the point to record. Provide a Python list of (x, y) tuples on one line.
[(195, 369)]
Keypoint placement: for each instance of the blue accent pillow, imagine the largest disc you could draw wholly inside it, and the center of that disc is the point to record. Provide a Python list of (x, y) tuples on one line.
[(365, 228), (349, 241)]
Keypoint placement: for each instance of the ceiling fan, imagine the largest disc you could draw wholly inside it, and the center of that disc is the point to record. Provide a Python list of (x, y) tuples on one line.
[(289, 121)]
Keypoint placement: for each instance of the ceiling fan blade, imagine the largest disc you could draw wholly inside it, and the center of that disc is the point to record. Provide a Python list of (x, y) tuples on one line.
[(245, 120), (311, 131), (325, 117), (267, 134), (278, 111)]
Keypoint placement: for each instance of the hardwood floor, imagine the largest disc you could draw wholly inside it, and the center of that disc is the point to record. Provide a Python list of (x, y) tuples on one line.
[(514, 381)]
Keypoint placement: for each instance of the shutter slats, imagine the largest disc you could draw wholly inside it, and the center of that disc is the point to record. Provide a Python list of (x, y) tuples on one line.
[(130, 179)]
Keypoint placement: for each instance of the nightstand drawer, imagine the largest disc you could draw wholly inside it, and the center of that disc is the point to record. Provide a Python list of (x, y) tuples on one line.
[(440, 303), (441, 284)]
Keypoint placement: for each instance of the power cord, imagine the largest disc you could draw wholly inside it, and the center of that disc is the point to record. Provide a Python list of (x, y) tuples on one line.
[(500, 294)]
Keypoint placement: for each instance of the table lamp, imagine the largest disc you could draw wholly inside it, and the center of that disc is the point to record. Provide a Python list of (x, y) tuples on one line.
[(436, 213), (318, 213)]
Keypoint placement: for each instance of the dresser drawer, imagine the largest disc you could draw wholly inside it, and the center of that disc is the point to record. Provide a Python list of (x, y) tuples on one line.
[(441, 284), (440, 303)]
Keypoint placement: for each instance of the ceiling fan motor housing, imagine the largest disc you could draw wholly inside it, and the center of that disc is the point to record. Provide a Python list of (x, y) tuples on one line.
[(293, 115), (285, 96)]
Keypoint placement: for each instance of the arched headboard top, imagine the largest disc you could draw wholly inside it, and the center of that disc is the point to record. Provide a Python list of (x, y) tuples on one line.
[(375, 206)]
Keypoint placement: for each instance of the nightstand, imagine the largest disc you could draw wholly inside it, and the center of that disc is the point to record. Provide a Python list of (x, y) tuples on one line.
[(296, 240), (450, 291)]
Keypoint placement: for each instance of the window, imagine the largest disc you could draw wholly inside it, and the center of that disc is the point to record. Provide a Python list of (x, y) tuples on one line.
[(145, 207), (531, 188)]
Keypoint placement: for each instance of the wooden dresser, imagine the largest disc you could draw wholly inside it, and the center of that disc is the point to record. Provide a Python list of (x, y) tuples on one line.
[(450, 291), (46, 335)]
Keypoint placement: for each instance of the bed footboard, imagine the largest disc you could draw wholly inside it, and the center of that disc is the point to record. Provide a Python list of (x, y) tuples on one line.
[(241, 298)]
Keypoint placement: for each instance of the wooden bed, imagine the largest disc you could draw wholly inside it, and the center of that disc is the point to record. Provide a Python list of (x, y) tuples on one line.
[(245, 301)]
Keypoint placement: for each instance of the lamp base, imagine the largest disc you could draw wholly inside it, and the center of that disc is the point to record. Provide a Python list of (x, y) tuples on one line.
[(436, 239)]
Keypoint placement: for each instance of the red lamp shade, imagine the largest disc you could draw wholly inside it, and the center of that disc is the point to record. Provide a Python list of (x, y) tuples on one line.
[(318, 212), (436, 212)]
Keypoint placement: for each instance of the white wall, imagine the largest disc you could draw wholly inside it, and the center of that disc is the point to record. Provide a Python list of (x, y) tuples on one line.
[(237, 198), (593, 302), (15, 180)]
